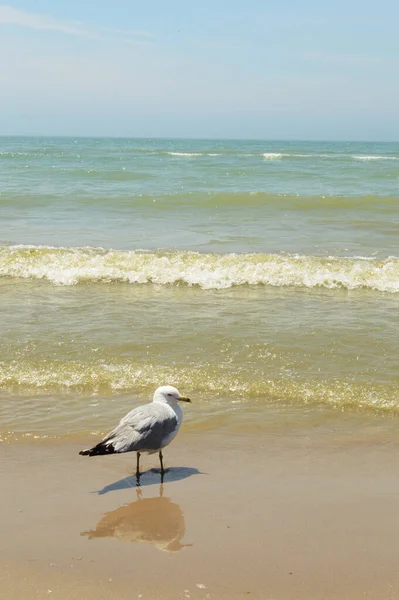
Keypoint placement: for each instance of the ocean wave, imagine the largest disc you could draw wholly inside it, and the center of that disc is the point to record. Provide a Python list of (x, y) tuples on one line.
[(189, 154), (273, 155), (180, 200), (70, 266), (378, 157), (68, 153), (288, 155), (208, 382)]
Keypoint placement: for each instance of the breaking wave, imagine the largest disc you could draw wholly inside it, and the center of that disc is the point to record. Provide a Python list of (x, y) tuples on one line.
[(273, 155), (71, 266), (209, 383), (372, 157)]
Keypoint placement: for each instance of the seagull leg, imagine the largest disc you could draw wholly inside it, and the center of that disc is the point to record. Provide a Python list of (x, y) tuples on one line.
[(162, 469), (138, 467)]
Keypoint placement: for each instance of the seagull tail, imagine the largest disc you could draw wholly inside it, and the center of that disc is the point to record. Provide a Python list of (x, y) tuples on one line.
[(101, 448)]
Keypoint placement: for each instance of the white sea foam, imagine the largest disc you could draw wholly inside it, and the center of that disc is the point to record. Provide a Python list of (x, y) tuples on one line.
[(70, 266), (208, 378), (366, 158), (273, 155), (187, 154)]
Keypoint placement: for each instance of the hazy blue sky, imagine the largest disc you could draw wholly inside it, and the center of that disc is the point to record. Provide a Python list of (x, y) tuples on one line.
[(257, 68)]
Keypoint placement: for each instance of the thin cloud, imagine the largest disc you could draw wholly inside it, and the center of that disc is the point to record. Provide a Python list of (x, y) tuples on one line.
[(19, 18)]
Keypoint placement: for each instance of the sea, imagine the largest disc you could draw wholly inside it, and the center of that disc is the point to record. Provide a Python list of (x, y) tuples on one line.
[(259, 277)]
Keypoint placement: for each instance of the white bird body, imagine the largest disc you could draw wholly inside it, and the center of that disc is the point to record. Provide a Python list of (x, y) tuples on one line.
[(162, 420), (148, 428)]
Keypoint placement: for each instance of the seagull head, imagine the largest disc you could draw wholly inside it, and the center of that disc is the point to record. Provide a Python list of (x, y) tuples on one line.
[(167, 394)]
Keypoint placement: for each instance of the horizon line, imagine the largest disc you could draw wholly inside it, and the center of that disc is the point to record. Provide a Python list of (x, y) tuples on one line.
[(194, 138)]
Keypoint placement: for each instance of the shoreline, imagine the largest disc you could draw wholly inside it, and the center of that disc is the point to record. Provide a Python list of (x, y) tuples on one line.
[(275, 517)]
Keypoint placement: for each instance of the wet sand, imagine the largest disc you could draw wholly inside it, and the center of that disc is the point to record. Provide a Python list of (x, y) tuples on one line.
[(276, 517)]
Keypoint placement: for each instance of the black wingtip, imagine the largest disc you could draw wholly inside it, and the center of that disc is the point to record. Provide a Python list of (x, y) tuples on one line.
[(101, 448)]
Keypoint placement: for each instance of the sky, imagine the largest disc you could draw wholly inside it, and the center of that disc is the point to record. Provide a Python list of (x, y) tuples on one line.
[(259, 69)]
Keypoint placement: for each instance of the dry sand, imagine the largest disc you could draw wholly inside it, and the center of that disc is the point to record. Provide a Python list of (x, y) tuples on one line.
[(279, 517)]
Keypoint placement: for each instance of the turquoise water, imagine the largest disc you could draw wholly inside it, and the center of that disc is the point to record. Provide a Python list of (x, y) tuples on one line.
[(263, 272), (212, 196)]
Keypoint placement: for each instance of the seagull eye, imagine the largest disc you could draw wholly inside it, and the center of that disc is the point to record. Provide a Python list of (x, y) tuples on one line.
[(170, 395)]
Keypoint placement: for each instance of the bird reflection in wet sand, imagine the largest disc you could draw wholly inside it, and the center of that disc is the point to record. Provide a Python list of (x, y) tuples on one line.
[(155, 520)]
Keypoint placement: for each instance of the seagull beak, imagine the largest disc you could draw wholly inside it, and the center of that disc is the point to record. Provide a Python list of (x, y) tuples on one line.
[(183, 399)]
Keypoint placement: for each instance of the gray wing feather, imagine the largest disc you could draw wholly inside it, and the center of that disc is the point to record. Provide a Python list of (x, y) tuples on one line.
[(144, 428)]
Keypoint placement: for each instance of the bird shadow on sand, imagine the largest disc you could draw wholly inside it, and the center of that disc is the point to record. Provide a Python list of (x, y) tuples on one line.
[(150, 477)]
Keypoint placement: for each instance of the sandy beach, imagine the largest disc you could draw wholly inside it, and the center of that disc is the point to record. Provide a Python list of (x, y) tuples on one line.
[(273, 517)]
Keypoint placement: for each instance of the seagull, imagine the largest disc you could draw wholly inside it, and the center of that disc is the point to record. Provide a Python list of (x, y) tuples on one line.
[(147, 428)]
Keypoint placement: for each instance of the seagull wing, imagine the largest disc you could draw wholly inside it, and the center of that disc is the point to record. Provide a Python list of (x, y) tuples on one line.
[(144, 428)]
